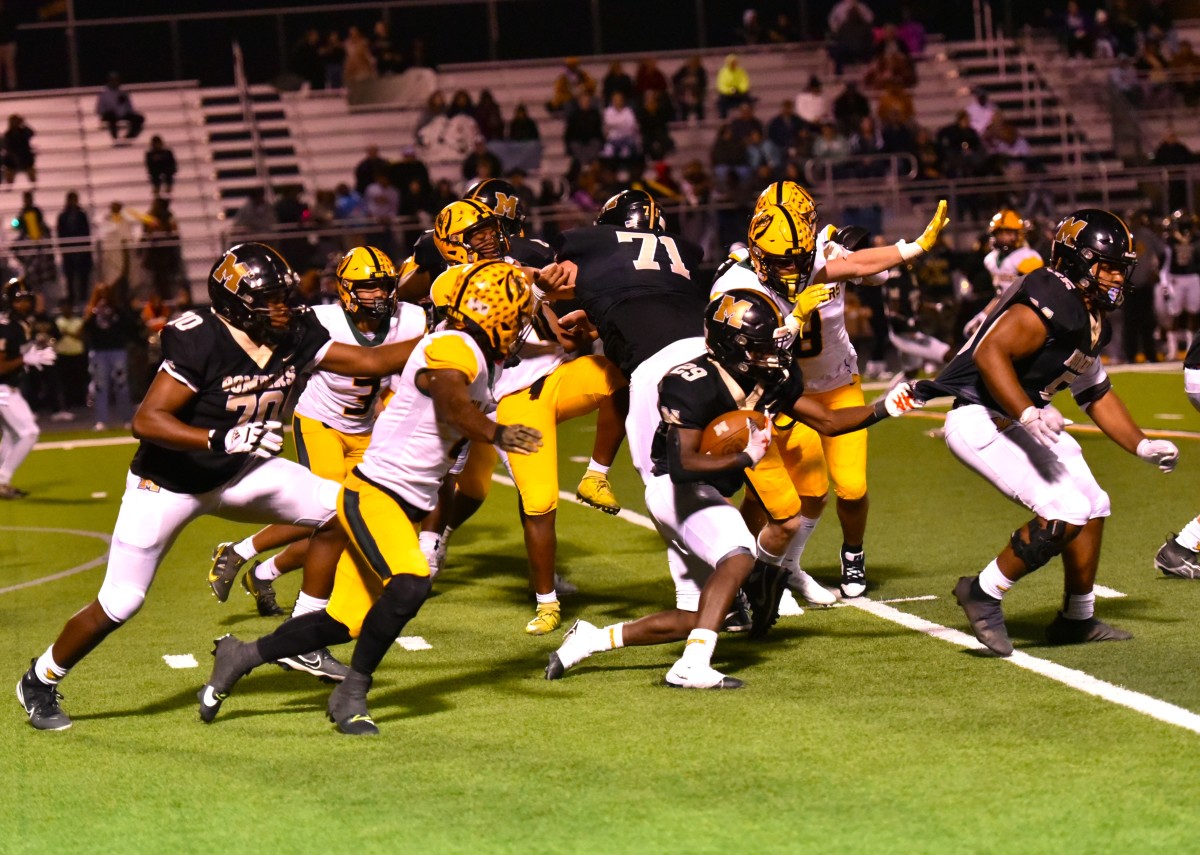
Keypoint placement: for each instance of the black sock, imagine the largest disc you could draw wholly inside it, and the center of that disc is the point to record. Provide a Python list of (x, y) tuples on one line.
[(302, 634), (401, 600), (853, 550)]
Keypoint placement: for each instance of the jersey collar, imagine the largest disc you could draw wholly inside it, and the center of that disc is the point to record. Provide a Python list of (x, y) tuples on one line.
[(260, 354)]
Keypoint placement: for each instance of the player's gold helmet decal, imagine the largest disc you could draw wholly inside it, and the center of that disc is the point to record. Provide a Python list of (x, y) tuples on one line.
[(367, 268), (782, 249), (491, 297), (467, 231), (790, 195)]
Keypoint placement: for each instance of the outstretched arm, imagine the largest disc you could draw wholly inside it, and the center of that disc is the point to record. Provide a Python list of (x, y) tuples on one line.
[(354, 361)]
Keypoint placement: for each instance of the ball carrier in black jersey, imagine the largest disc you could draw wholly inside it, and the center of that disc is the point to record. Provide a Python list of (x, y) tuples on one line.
[(1045, 335), (209, 434)]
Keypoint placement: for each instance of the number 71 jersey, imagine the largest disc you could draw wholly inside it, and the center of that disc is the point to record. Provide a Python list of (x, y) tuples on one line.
[(347, 404)]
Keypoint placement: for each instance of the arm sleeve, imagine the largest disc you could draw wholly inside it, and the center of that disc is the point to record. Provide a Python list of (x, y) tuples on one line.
[(183, 355), (1090, 386)]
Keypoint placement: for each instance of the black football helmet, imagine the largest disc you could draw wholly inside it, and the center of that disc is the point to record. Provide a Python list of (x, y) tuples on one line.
[(502, 198), (243, 285), (1089, 237), (739, 331), (15, 289), (852, 238), (633, 209)]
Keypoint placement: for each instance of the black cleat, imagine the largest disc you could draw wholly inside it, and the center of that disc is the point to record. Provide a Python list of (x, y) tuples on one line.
[(738, 619), (40, 702), (263, 592), (1062, 630), (764, 589), (854, 574), (985, 616), (225, 567), (232, 660), (319, 663), (347, 707), (1176, 560)]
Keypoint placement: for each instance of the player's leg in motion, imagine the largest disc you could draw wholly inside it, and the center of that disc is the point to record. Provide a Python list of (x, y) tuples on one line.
[(19, 435), (594, 488), (846, 459), (462, 493)]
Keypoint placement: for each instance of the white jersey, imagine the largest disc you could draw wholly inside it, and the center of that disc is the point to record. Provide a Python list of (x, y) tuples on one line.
[(1005, 269), (347, 404), (826, 356), (411, 451), (540, 353)]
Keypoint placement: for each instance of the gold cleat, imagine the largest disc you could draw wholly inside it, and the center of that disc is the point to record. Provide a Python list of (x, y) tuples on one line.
[(596, 491), (546, 620)]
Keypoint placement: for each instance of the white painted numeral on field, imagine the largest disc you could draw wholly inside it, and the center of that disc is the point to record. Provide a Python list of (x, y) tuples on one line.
[(180, 660), (413, 642)]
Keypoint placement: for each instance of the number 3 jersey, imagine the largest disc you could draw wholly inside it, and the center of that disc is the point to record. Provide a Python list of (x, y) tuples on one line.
[(347, 404), (234, 381), (1070, 355)]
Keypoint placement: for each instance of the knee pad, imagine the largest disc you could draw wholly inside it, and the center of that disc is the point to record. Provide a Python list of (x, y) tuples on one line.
[(403, 595), (120, 600), (1044, 542)]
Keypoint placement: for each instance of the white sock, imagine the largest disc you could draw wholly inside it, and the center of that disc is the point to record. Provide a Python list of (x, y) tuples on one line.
[(446, 532), (613, 636), (994, 583), (1189, 538), (1079, 606), (306, 605), (47, 670), (766, 557), (546, 599), (593, 466), (700, 646), (428, 541), (791, 556), (267, 571), (245, 549)]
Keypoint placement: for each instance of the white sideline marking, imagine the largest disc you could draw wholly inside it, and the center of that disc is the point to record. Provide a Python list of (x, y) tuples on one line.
[(88, 565), (909, 599), (578, 459), (180, 660), (70, 444), (413, 642), (1169, 417)]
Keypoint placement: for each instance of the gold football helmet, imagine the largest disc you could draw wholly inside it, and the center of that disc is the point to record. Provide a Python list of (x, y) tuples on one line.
[(1007, 220), (782, 249), (367, 268), (466, 231), (790, 195), (491, 299)]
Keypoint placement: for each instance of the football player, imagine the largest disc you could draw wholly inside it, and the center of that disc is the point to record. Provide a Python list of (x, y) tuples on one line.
[(333, 417), (18, 426), (1180, 555), (1008, 259), (436, 409), (1045, 335), (742, 362), (209, 439), (1177, 297)]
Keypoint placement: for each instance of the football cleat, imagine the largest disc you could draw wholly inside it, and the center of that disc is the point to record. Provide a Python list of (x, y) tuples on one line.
[(225, 567), (430, 551), (1177, 560), (813, 592), (320, 663), (985, 616), (232, 660), (689, 675), (595, 491), (263, 591), (788, 607), (40, 701), (579, 642), (1062, 630), (854, 574), (547, 619), (764, 588), (347, 707), (738, 619), (8, 491)]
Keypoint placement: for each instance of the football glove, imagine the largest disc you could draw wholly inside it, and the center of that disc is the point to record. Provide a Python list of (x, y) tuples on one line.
[(262, 439), (757, 443), (810, 300), (1161, 453), (900, 399), (1043, 424), (909, 251), (39, 357), (517, 439)]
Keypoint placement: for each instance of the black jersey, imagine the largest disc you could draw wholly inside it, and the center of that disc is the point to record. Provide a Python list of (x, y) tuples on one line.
[(1192, 360), (426, 256), (1070, 355), (639, 288), (200, 351), (13, 338), (524, 251), (691, 396), (1183, 259)]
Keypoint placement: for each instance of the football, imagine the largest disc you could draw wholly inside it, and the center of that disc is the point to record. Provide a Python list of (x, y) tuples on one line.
[(729, 433)]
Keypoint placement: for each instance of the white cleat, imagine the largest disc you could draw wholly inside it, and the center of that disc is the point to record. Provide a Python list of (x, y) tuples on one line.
[(579, 642), (813, 592), (687, 675), (435, 556), (788, 607)]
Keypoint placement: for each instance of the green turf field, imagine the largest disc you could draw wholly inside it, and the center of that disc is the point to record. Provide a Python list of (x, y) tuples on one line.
[(855, 734)]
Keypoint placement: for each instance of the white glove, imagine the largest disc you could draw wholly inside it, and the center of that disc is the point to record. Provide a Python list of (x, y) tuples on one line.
[(262, 439), (756, 445), (1043, 424), (1161, 453), (900, 400), (39, 357)]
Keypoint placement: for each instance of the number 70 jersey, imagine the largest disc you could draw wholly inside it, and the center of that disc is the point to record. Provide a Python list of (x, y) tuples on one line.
[(347, 404)]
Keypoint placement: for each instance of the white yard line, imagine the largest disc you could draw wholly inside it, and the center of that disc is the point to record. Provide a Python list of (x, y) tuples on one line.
[(63, 573)]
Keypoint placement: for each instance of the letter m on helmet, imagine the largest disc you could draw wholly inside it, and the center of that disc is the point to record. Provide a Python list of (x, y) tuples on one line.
[(1068, 231), (731, 311), (506, 206), (231, 272)]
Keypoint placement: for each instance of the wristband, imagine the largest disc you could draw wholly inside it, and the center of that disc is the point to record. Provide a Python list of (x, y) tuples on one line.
[(498, 435), (909, 251), (879, 408), (216, 440), (744, 460)]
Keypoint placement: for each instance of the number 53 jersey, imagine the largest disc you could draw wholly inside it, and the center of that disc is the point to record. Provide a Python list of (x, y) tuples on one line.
[(347, 404)]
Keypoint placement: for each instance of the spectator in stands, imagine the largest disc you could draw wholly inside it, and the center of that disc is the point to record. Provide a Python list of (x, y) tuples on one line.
[(981, 112), (382, 202), (1124, 27), (522, 189), (616, 80), (480, 163), (744, 122), (811, 105), (751, 30), (114, 107), (891, 63), (1173, 152), (1103, 36), (115, 236), (583, 134), (696, 185), (72, 356), (1137, 333), (831, 144), (573, 82), (960, 146), (729, 156), (522, 128), (435, 108), (461, 105), (110, 327), (895, 106), (32, 247), (850, 36), (256, 216), (367, 168), (161, 255), (849, 107), (348, 203), (1153, 67), (387, 58), (305, 60), (1077, 32), (18, 152), (488, 117), (622, 140), (761, 152), (911, 32), (733, 86), (1124, 81), (929, 158), (784, 129), (418, 54), (783, 31), (1185, 70), (649, 78), (160, 166), (409, 170), (443, 194), (867, 142), (897, 135), (359, 64), (654, 119), (1156, 15), (8, 48), (74, 231), (291, 214), (690, 84), (333, 55)]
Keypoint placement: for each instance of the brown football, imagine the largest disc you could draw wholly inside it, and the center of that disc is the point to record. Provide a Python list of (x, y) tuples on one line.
[(729, 433)]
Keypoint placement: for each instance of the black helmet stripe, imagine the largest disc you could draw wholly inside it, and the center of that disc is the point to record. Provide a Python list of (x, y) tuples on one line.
[(791, 225), (374, 260)]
